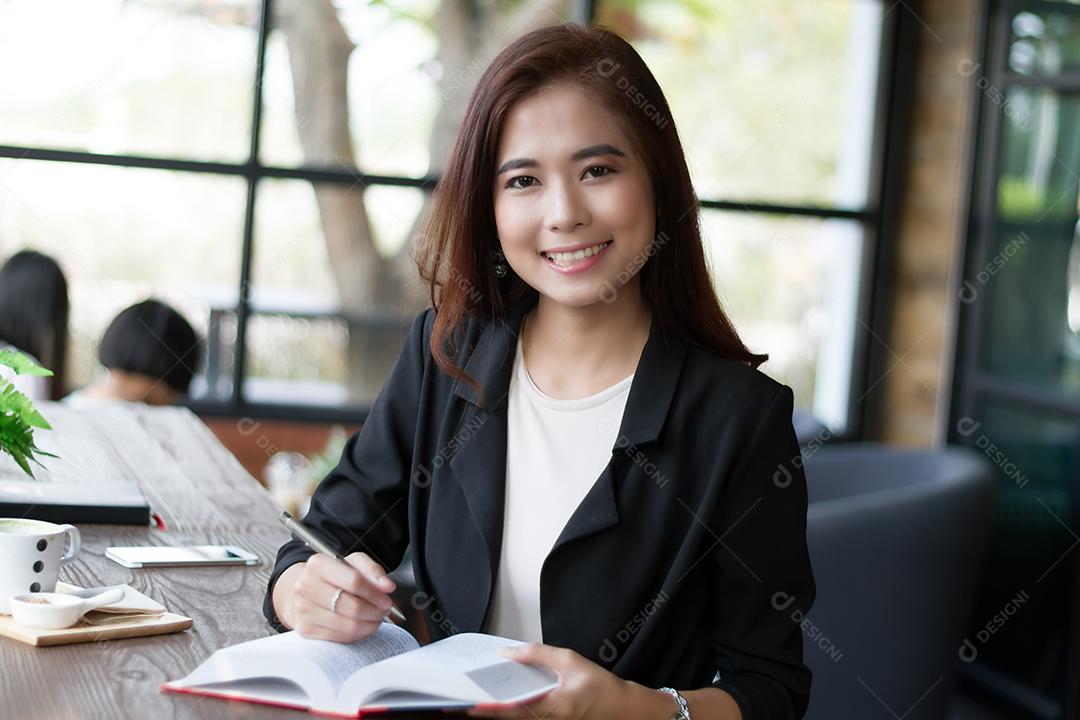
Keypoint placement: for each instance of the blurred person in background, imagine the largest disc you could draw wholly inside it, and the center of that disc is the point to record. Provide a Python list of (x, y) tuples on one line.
[(34, 320), (151, 354)]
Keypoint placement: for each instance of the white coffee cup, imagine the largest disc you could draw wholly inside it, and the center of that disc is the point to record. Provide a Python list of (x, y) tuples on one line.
[(31, 553)]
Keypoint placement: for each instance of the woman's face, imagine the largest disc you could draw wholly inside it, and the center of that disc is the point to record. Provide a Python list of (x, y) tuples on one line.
[(567, 183)]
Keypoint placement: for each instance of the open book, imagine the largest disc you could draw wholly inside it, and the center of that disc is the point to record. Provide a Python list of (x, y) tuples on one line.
[(385, 671)]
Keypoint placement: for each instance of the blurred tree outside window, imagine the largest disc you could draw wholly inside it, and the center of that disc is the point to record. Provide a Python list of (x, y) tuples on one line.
[(361, 102)]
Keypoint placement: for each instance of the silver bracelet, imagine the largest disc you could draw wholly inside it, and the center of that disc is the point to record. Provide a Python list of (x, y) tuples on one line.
[(683, 712)]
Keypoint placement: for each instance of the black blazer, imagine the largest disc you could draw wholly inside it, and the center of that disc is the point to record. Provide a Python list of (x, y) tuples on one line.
[(684, 565)]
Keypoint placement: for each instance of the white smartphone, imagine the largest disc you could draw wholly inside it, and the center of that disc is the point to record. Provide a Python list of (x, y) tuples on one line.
[(191, 555)]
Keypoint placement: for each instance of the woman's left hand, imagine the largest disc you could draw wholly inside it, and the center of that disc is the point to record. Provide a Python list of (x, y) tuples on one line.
[(585, 690)]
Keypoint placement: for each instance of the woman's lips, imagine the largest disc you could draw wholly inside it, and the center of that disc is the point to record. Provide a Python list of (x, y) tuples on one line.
[(578, 265)]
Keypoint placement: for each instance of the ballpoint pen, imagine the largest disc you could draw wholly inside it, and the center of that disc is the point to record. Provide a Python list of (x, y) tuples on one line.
[(320, 545)]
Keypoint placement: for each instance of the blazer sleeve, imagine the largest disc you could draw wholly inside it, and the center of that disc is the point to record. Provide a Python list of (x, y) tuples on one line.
[(763, 584), (362, 503)]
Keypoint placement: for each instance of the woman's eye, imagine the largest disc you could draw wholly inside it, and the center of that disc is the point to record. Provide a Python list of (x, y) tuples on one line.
[(523, 182), (513, 183)]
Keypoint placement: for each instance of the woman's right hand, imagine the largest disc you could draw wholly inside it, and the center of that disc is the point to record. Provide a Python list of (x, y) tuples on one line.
[(360, 608)]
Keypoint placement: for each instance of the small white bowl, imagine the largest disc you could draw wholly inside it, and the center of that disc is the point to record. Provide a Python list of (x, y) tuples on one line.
[(53, 611)]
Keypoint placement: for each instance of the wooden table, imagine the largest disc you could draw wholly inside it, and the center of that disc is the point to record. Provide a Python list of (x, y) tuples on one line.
[(205, 497)]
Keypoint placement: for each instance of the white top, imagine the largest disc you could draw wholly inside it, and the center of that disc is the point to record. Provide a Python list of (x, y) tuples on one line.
[(555, 452)]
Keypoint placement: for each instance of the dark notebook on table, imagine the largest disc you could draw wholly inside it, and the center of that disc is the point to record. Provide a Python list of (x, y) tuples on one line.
[(119, 503)]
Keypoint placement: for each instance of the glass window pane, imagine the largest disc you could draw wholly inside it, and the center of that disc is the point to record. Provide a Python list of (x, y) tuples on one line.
[(124, 234), (1034, 340), (142, 78), (296, 361), (333, 290), (1046, 43), (1040, 157), (790, 285), (1037, 459), (1034, 253), (381, 86), (774, 100)]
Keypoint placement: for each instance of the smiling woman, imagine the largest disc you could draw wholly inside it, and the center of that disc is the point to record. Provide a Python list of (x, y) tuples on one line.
[(555, 158), (578, 203), (574, 434)]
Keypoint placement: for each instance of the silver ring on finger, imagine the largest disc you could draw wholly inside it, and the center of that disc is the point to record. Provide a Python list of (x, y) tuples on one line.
[(333, 600)]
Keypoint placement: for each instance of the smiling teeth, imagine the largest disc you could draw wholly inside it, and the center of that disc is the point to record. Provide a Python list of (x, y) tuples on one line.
[(566, 259)]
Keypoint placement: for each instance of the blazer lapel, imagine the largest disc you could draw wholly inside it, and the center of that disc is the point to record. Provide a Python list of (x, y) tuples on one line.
[(647, 405), (480, 462)]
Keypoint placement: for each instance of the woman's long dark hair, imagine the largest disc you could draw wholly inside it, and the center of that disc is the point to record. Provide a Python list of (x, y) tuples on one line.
[(454, 254), (34, 312)]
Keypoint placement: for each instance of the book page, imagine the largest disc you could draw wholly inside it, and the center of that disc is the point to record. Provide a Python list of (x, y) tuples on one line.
[(462, 668), (338, 661), (274, 690), (239, 666), (319, 667), (465, 651)]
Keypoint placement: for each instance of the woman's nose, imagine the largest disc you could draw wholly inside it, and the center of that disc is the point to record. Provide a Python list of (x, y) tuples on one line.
[(566, 210)]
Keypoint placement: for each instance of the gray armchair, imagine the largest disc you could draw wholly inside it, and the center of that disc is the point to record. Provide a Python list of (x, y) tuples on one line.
[(809, 430), (896, 540)]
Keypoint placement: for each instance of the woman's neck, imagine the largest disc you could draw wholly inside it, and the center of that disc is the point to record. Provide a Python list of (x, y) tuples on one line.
[(573, 352)]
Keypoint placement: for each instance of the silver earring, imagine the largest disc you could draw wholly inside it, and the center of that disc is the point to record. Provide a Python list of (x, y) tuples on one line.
[(499, 260)]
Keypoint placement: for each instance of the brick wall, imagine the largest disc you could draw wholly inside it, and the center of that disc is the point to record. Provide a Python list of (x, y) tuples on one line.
[(917, 368)]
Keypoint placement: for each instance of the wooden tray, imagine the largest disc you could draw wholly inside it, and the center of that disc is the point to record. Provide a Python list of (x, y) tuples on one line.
[(158, 624), (167, 623)]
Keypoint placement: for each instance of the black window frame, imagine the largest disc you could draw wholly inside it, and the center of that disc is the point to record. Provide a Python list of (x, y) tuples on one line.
[(973, 385), (899, 39)]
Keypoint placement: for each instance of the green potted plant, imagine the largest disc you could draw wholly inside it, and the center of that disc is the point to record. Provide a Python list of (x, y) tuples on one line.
[(18, 416)]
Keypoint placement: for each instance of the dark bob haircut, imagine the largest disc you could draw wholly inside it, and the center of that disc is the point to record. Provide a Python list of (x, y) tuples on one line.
[(150, 338)]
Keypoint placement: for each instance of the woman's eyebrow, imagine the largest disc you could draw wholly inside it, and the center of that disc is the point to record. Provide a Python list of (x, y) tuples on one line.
[(591, 151)]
